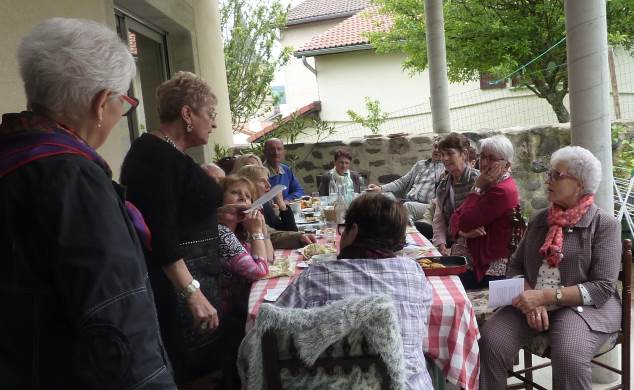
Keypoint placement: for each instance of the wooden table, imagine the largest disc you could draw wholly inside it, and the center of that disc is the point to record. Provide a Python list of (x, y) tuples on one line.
[(452, 342)]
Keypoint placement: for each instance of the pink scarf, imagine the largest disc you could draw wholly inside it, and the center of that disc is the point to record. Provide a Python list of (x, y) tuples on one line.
[(559, 218)]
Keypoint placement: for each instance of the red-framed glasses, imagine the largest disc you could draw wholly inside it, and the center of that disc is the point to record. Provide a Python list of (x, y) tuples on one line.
[(129, 104), (555, 175)]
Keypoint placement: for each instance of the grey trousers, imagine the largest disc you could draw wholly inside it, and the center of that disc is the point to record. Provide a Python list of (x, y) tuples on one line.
[(572, 346), (418, 211)]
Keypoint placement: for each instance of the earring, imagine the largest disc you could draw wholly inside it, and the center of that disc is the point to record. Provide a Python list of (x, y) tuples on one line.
[(189, 128), (99, 124)]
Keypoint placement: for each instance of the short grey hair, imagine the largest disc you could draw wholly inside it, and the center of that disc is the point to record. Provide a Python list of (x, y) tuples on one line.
[(499, 145), (65, 62), (581, 164)]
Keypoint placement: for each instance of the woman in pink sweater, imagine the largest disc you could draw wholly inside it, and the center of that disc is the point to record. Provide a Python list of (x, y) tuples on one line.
[(244, 248), (484, 218)]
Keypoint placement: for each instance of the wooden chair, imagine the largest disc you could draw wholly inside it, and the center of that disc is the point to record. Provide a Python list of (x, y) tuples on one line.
[(273, 363), (525, 375)]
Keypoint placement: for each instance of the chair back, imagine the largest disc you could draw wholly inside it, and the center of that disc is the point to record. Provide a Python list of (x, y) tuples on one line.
[(273, 363), (518, 228)]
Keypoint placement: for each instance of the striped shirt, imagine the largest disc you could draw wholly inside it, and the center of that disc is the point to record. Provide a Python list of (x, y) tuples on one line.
[(400, 278)]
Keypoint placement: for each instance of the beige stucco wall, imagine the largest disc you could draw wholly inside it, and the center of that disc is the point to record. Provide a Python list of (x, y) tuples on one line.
[(194, 44), (300, 83)]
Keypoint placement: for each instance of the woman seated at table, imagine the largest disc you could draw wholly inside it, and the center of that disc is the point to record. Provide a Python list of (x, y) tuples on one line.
[(276, 213), (342, 174), (484, 218), (374, 231), (244, 248), (570, 260), (452, 190), (245, 159)]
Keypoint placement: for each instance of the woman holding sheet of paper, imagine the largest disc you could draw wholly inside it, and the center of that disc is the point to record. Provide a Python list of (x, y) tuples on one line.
[(570, 261)]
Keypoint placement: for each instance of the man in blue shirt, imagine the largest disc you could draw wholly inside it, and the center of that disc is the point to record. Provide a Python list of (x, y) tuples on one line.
[(280, 173)]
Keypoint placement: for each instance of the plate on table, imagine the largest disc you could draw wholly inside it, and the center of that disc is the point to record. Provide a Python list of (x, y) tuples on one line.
[(302, 264), (315, 249), (443, 265), (415, 251)]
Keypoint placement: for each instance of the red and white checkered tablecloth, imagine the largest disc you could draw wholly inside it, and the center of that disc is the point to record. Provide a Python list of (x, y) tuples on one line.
[(453, 334)]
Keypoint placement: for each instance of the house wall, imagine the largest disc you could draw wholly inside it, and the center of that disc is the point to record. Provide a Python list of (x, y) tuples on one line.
[(194, 44), (300, 83)]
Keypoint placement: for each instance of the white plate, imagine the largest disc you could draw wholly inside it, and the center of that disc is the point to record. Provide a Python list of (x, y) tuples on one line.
[(302, 264)]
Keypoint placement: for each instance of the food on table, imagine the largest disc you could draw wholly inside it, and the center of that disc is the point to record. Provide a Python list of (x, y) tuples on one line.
[(428, 263), (330, 214), (317, 249)]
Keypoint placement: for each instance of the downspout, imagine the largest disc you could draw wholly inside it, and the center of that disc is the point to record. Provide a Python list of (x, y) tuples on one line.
[(308, 66)]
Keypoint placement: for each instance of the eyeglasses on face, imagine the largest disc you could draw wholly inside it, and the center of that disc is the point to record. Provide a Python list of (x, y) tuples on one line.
[(554, 175), (486, 157), (341, 228), (129, 104)]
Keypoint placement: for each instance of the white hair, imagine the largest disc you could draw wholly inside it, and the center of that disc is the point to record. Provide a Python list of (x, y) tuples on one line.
[(498, 145), (64, 63), (581, 164)]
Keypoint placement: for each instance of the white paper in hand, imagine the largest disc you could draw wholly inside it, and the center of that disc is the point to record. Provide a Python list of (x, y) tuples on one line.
[(502, 292), (259, 202)]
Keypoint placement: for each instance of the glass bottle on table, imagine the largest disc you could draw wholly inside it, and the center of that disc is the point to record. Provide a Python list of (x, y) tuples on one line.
[(332, 189), (341, 204)]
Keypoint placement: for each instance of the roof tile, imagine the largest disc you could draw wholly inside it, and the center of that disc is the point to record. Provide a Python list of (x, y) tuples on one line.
[(351, 31), (324, 9)]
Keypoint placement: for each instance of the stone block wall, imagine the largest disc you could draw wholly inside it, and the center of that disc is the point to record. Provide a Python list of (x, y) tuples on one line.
[(384, 159)]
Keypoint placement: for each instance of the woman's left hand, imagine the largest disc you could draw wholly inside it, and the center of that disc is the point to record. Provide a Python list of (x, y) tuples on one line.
[(529, 300), (307, 239), (538, 319)]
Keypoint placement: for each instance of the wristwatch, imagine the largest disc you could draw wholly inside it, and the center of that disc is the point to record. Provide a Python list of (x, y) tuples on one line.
[(258, 236), (190, 289), (558, 296)]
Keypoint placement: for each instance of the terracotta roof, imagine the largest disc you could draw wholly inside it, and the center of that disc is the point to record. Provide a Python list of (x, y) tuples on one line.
[(302, 111), (314, 10), (350, 32)]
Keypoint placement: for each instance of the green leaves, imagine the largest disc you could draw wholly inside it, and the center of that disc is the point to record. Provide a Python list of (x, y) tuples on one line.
[(497, 37), (250, 31), (374, 119)]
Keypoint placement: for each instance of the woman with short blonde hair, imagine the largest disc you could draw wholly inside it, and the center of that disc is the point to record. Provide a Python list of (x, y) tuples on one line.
[(245, 159)]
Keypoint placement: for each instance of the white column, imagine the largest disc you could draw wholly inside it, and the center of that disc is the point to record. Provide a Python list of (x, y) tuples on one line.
[(589, 85), (211, 66), (437, 61)]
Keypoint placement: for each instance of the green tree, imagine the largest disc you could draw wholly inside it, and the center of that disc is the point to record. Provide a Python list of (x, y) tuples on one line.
[(250, 31), (498, 37), (375, 117)]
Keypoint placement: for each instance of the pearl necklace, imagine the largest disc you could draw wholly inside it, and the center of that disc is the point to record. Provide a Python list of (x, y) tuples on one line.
[(168, 140)]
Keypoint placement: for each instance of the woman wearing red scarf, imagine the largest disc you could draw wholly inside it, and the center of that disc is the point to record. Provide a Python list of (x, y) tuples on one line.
[(570, 260)]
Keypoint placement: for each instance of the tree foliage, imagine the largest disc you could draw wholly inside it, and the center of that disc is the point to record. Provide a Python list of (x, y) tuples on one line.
[(375, 118), (250, 31), (498, 37)]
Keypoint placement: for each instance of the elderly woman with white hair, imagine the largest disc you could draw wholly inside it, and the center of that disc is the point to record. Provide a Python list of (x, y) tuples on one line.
[(569, 259), (74, 279), (484, 218)]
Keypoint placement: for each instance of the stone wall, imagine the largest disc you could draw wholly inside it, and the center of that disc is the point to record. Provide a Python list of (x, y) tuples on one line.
[(384, 159)]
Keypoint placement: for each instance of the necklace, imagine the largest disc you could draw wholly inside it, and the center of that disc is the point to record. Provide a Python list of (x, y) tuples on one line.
[(168, 140)]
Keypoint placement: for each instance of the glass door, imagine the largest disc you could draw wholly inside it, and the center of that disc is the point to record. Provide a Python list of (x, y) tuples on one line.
[(148, 46)]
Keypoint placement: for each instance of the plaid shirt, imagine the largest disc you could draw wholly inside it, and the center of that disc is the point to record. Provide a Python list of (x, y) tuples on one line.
[(400, 278), (419, 183)]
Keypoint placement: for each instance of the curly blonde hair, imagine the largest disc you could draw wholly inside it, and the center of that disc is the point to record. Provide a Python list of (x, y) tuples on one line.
[(183, 89)]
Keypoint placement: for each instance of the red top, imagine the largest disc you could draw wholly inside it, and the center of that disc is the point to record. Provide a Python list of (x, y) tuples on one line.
[(493, 210)]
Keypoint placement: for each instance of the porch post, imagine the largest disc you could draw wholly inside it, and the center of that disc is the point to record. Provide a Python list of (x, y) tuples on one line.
[(589, 85), (437, 61)]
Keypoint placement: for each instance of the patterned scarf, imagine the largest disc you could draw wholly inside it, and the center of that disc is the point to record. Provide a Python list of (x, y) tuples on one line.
[(27, 137), (559, 218)]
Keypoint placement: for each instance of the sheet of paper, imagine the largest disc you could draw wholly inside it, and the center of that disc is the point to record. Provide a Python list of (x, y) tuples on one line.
[(502, 292), (273, 293), (259, 202)]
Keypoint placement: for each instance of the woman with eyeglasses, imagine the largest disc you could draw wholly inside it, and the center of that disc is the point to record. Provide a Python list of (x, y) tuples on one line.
[(484, 218), (182, 206), (453, 188), (73, 284), (570, 260)]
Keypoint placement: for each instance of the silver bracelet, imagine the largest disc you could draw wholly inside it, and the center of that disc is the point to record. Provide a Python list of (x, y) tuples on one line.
[(258, 236)]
